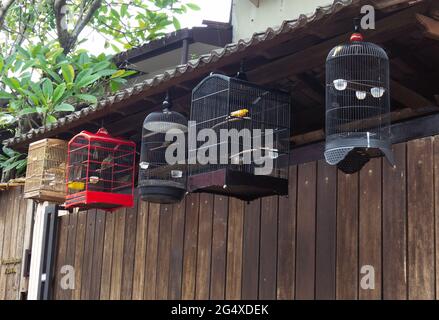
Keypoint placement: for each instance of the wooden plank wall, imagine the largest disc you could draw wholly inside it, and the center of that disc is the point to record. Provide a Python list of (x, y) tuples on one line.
[(318, 243), (15, 221)]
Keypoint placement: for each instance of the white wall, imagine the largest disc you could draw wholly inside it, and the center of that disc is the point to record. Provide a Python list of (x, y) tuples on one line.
[(248, 19)]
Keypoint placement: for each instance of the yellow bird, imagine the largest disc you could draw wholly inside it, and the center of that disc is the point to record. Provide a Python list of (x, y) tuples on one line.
[(76, 185), (241, 113)]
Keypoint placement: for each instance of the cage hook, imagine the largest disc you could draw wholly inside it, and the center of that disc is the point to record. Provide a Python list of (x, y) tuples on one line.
[(241, 73), (357, 36), (167, 103)]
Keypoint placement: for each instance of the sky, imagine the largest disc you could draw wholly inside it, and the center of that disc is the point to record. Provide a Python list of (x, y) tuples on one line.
[(216, 10)]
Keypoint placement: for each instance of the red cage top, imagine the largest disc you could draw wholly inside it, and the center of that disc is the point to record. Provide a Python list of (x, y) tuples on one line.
[(100, 171)]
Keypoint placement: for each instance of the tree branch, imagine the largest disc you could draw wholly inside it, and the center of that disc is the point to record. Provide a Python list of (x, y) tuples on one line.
[(66, 38), (4, 7)]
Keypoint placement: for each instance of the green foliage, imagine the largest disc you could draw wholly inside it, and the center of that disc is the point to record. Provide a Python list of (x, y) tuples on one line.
[(12, 160), (131, 24), (42, 83)]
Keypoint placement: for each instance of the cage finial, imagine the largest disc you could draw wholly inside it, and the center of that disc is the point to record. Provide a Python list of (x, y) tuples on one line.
[(357, 36)]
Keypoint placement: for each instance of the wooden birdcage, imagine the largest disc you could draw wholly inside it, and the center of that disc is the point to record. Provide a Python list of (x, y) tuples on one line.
[(46, 167)]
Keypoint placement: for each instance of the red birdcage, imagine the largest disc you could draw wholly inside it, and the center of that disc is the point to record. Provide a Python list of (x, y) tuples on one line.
[(100, 171)]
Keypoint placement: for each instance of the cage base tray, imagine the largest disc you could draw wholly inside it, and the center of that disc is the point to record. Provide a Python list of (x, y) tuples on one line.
[(237, 184), (99, 200), (45, 195)]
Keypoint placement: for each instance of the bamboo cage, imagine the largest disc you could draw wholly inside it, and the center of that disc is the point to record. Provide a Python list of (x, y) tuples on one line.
[(45, 174)]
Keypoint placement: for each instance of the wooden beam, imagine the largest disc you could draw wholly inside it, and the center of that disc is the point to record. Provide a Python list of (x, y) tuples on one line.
[(430, 26), (407, 97), (388, 5), (395, 116), (417, 128), (314, 56)]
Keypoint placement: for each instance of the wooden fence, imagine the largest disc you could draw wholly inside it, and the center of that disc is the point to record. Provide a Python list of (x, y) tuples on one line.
[(310, 245), (15, 230)]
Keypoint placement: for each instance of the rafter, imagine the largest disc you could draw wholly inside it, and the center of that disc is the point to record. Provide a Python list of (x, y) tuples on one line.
[(431, 26)]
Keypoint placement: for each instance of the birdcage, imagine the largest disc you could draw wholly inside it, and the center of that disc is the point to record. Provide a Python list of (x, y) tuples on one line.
[(162, 168), (238, 139), (100, 171), (357, 105), (45, 173)]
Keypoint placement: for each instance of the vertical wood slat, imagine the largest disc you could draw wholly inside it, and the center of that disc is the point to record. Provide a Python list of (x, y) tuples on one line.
[(219, 248), (6, 242), (63, 224), (107, 257), (326, 224), (370, 242), (151, 252), (202, 282), (287, 240), (21, 235), (3, 213), (24, 281), (250, 258), (87, 264), (347, 236), (70, 251), (10, 290), (98, 248), (118, 245), (395, 226), (164, 251), (268, 251), (306, 223), (81, 231), (190, 247), (176, 262), (140, 251), (234, 249), (421, 279), (128, 252), (436, 208)]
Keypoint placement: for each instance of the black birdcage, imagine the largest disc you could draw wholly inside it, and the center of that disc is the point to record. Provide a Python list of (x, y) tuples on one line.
[(246, 165), (160, 179), (357, 105)]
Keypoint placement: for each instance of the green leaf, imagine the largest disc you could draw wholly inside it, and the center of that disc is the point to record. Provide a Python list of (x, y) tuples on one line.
[(50, 119), (21, 165), (6, 95), (23, 52), (28, 64), (12, 82), (64, 107), (47, 89), (10, 166), (128, 73), (176, 23), (106, 72), (193, 6), (8, 151), (26, 111), (124, 10), (58, 92), (118, 73), (101, 65), (87, 97), (87, 80), (68, 72)]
